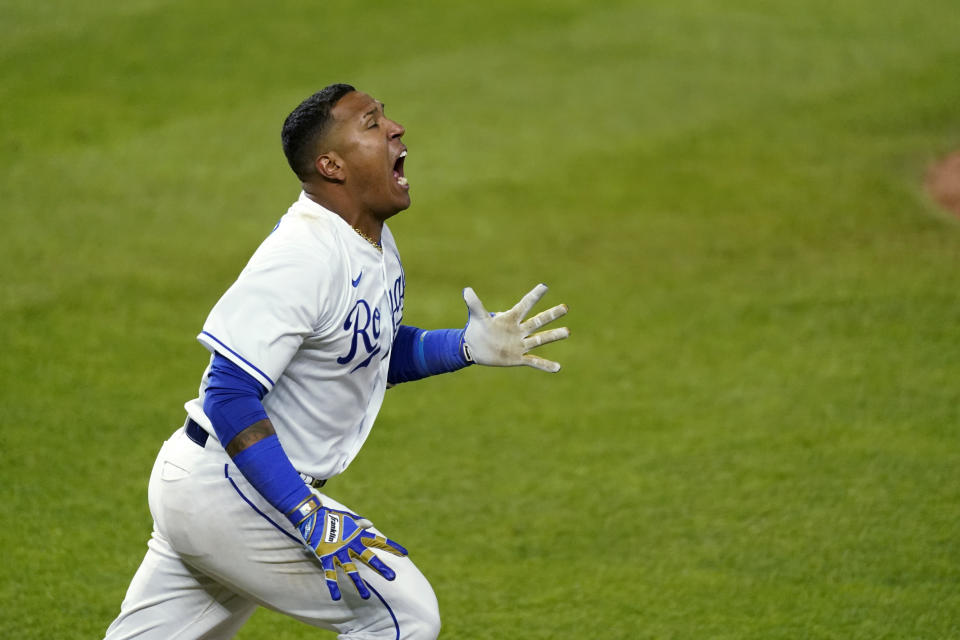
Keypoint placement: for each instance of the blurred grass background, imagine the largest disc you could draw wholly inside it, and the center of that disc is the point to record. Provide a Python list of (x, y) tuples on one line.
[(755, 431)]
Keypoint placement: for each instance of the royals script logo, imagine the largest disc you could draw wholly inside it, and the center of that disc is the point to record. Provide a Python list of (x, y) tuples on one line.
[(364, 323), (395, 294)]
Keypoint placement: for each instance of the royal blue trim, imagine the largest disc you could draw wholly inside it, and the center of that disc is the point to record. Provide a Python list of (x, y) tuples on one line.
[(396, 624), (242, 359), (226, 474)]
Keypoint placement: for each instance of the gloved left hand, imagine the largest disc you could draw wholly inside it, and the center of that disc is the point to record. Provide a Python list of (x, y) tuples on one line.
[(340, 537), (503, 339)]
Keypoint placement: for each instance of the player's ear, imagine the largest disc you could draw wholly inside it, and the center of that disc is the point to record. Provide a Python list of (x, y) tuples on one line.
[(330, 166)]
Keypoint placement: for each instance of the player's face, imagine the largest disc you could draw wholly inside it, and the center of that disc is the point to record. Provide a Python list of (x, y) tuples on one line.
[(373, 154)]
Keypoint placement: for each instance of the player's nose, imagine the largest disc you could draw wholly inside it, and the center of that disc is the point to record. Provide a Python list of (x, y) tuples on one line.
[(395, 129)]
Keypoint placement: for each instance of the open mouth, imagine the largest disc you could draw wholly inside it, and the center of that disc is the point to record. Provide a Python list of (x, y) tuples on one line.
[(398, 170)]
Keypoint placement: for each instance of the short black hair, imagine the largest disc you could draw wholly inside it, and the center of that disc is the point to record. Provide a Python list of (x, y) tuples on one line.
[(305, 124)]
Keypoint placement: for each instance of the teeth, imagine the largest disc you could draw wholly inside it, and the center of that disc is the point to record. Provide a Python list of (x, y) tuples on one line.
[(402, 181), (404, 154)]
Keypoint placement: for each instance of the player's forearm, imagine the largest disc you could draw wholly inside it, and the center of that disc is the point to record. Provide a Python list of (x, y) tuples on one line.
[(265, 465), (249, 436), (257, 453), (232, 402), (418, 353)]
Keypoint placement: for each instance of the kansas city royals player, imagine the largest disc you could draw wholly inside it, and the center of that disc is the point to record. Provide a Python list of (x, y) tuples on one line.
[(303, 346)]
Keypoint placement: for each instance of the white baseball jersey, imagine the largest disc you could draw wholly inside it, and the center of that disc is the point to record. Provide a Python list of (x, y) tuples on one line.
[(312, 317)]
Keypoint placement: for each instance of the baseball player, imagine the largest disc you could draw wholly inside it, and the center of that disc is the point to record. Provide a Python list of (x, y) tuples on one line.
[(303, 347)]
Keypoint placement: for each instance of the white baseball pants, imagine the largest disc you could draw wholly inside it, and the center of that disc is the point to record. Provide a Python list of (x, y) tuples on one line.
[(219, 550)]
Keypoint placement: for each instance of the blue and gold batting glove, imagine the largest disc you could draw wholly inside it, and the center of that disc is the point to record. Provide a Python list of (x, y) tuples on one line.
[(340, 537)]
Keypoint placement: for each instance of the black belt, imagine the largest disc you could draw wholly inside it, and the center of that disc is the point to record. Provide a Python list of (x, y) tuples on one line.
[(199, 435)]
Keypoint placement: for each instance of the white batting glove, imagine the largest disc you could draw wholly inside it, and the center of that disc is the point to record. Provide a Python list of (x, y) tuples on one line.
[(503, 339)]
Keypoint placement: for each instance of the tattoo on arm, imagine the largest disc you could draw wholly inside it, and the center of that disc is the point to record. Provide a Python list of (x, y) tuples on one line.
[(250, 436)]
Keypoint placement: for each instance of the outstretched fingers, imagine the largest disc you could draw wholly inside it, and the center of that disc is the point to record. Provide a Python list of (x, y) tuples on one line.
[(541, 363), (474, 306), (522, 308), (545, 337), (544, 317)]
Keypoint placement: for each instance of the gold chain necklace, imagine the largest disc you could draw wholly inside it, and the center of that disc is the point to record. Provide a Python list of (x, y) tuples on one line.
[(373, 243)]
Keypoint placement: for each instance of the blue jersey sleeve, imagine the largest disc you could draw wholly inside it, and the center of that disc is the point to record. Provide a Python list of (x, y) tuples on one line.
[(418, 353)]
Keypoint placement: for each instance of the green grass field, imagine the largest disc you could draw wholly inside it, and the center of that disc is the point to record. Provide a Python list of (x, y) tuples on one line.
[(755, 432)]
